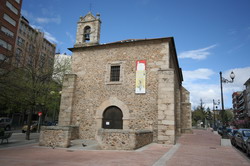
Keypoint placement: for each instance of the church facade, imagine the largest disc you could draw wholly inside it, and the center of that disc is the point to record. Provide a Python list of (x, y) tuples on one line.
[(129, 85)]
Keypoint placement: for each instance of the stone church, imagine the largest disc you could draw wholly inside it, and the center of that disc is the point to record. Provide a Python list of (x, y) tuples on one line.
[(124, 94)]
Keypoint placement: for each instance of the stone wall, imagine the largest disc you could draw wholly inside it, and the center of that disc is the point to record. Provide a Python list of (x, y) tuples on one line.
[(58, 136), (186, 116), (166, 107), (67, 100), (115, 139), (91, 65)]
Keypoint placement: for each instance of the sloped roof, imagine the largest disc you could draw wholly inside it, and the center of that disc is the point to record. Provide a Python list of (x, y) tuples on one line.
[(88, 17)]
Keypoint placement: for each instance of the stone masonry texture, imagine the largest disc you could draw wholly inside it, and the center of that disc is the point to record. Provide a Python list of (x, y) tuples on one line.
[(88, 92)]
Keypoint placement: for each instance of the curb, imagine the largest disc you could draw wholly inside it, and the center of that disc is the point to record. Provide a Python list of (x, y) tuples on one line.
[(162, 161)]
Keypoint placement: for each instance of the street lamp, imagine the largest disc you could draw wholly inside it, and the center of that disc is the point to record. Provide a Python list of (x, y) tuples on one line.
[(223, 80), (215, 104)]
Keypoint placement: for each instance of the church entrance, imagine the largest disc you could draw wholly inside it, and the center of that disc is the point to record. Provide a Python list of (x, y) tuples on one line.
[(112, 118)]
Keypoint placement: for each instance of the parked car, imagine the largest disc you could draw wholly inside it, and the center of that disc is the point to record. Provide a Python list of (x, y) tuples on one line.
[(248, 147), (220, 130), (231, 136), (50, 123), (33, 127), (241, 137), (5, 123)]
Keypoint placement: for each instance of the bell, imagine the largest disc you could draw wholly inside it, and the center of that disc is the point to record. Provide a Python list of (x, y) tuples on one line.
[(87, 37)]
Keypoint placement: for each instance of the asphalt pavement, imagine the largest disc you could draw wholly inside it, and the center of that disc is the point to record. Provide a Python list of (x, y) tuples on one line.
[(18, 139)]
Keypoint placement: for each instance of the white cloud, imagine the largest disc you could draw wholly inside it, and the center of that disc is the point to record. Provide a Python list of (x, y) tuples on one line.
[(209, 91), (206, 92), (236, 48), (26, 14), (202, 73), (51, 38), (46, 20), (47, 35), (41, 20), (198, 54), (70, 37), (37, 27), (241, 76)]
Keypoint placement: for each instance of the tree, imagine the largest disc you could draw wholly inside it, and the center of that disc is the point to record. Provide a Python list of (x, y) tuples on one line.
[(209, 116), (199, 114), (29, 85), (62, 66), (202, 114), (228, 117)]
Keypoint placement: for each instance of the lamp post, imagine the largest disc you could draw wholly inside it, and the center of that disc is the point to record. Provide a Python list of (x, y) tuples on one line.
[(223, 80), (215, 104)]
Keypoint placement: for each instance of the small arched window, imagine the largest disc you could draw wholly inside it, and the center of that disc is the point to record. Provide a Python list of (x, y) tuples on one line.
[(86, 34)]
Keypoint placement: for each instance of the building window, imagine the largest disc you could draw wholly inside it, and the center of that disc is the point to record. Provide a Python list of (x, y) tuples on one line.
[(2, 57), (18, 1), (18, 53), (20, 42), (31, 48), (11, 7), (30, 60), (6, 45), (42, 60), (7, 31), (18, 56), (9, 19), (115, 73)]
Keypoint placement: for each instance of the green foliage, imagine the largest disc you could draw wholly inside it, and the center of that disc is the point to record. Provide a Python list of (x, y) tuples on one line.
[(29, 88), (200, 114), (33, 87), (228, 116)]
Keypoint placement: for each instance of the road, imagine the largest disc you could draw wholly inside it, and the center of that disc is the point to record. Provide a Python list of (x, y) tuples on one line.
[(18, 139)]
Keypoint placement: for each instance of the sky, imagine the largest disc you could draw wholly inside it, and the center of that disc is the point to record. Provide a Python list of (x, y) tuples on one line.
[(210, 35)]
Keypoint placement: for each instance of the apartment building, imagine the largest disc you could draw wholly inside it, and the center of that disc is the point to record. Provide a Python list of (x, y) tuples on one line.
[(10, 11), (32, 48), (247, 93), (241, 106)]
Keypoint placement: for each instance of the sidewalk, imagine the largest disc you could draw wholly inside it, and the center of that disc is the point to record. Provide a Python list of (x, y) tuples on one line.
[(203, 149), (18, 139), (199, 149)]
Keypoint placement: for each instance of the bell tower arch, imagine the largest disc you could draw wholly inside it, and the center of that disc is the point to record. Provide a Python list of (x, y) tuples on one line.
[(88, 30)]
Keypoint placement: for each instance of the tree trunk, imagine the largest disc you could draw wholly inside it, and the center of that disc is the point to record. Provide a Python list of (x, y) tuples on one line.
[(29, 123)]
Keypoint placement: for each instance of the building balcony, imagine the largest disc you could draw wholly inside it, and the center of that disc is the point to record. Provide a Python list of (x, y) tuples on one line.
[(242, 108), (241, 95), (242, 115), (241, 101)]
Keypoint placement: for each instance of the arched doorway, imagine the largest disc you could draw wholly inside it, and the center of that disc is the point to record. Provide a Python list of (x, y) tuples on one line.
[(112, 118)]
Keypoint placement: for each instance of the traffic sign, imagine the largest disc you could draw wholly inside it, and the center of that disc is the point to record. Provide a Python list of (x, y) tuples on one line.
[(40, 113)]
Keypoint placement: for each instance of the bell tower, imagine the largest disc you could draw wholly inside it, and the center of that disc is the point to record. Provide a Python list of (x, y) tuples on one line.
[(88, 30)]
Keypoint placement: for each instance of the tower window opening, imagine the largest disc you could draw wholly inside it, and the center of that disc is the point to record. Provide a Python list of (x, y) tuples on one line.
[(87, 31)]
